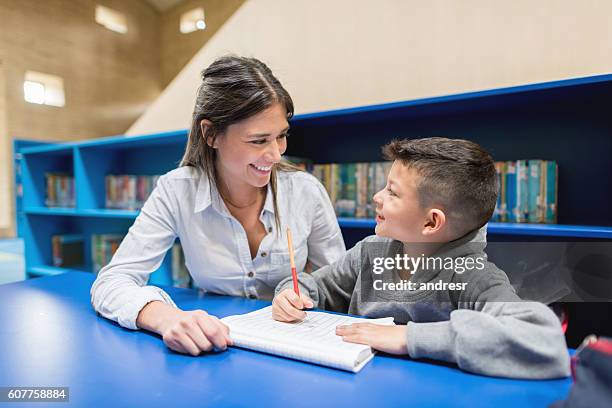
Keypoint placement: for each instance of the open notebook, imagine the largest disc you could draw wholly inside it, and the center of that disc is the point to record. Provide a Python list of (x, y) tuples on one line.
[(313, 340)]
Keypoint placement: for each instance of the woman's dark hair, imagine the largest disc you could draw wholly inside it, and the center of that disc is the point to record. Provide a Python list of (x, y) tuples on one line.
[(233, 89)]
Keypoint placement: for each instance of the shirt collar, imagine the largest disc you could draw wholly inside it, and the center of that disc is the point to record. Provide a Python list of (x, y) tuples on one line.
[(269, 204), (207, 195)]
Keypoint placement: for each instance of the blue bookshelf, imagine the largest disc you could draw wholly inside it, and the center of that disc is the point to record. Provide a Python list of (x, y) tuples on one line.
[(567, 121), (18, 146), (88, 162)]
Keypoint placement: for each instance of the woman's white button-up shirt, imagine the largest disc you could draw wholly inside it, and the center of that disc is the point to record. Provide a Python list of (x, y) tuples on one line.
[(186, 205)]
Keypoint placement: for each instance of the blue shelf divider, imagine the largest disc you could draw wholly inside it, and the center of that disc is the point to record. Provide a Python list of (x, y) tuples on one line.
[(567, 121)]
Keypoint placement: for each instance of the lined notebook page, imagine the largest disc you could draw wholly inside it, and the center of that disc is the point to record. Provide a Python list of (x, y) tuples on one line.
[(313, 339)]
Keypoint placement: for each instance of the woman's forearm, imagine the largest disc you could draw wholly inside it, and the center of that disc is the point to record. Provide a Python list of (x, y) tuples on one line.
[(153, 316)]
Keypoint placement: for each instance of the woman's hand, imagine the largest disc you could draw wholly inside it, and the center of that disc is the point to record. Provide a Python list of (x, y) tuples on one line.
[(287, 306), (189, 332)]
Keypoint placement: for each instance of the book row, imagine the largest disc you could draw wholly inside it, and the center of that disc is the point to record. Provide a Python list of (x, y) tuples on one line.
[(68, 251), (128, 192), (351, 186), (60, 190), (528, 191)]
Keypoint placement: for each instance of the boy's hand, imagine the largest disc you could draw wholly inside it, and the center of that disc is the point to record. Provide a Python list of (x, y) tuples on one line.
[(287, 306), (389, 339)]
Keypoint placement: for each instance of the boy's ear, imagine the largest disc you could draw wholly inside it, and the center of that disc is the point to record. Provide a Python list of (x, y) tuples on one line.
[(434, 222), (205, 126)]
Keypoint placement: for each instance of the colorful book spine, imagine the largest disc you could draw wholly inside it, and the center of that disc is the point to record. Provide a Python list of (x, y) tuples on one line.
[(60, 190), (522, 188), (60, 187), (535, 192), (51, 195), (362, 199), (552, 176), (511, 191), (131, 201), (128, 192), (125, 185)]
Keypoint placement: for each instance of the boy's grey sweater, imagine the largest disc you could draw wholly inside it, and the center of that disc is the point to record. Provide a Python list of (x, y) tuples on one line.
[(485, 329)]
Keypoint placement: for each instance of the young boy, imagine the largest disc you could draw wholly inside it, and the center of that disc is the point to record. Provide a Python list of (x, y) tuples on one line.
[(426, 267)]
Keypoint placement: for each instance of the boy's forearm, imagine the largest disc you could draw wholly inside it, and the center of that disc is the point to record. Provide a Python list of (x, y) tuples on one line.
[(336, 282), (507, 339), (331, 286)]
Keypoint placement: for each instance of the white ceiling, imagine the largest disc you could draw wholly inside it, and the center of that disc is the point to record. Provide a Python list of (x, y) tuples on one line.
[(163, 5)]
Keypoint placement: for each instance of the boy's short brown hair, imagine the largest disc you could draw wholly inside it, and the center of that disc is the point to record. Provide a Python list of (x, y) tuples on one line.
[(456, 175)]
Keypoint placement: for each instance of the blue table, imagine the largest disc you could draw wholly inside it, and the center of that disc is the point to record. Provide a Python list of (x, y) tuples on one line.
[(50, 336)]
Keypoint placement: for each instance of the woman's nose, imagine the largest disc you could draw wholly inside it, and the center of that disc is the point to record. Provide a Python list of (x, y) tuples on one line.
[(274, 152)]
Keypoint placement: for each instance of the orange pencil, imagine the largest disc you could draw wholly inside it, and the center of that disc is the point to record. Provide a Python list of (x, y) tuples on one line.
[(296, 289)]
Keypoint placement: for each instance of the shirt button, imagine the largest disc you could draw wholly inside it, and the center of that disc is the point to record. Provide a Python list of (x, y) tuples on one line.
[(263, 254), (269, 229), (252, 297), (251, 274)]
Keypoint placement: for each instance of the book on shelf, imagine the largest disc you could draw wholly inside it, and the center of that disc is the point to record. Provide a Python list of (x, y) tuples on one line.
[(181, 278), (103, 247), (312, 340), (60, 190), (362, 199), (521, 210), (67, 250), (550, 183), (128, 192), (511, 183), (535, 212)]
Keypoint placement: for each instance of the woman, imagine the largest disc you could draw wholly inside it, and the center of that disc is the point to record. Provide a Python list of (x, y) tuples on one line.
[(230, 204)]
